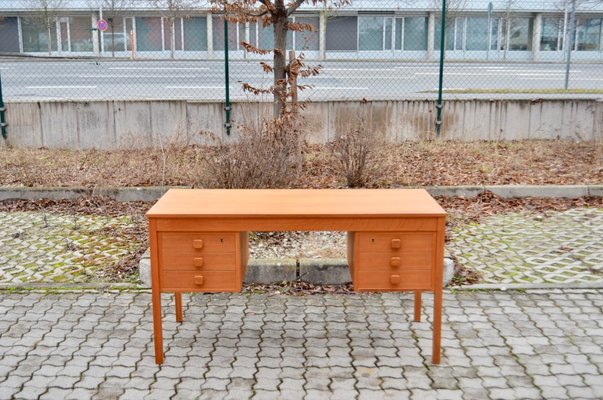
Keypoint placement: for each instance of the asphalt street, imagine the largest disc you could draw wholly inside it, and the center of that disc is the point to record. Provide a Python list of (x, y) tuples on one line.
[(204, 80)]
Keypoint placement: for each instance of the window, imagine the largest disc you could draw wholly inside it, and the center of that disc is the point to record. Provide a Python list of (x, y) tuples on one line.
[(307, 40), (551, 34), (342, 33), (520, 34), (195, 34), (450, 34), (399, 33), (370, 33), (494, 34), (459, 33), (81, 34), (114, 38), (415, 33), (167, 34), (266, 35), (35, 35), (148, 34), (218, 39), (588, 34), (9, 32), (477, 34), (388, 33)]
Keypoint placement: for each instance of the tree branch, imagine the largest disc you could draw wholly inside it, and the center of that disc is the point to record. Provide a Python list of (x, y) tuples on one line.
[(257, 15), (294, 6), (268, 4)]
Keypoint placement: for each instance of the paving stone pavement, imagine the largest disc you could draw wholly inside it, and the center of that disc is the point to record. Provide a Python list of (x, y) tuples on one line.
[(522, 248), (538, 344), (38, 247)]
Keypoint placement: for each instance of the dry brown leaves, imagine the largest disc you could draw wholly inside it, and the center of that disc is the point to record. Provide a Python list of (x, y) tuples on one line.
[(463, 210), (297, 288), (450, 163), (407, 164)]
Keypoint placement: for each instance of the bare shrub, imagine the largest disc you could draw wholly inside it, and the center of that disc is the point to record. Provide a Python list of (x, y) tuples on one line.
[(357, 154), (267, 155)]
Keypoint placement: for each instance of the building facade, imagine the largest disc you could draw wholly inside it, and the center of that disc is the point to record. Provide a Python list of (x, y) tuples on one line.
[(400, 30)]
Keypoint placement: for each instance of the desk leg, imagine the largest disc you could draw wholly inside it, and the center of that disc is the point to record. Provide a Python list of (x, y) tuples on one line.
[(417, 306), (178, 301), (157, 328), (156, 294), (437, 325)]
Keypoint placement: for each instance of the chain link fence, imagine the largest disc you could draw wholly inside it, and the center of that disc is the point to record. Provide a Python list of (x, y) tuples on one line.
[(373, 50)]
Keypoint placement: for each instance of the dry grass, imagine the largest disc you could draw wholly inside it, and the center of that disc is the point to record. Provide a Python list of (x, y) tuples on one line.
[(407, 164)]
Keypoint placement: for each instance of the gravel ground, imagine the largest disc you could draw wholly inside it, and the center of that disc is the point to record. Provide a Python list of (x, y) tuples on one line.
[(298, 245)]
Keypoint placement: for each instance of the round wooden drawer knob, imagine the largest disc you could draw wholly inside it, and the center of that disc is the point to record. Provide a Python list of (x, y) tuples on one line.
[(199, 281), (395, 262), (198, 244), (198, 262), (396, 244), (394, 279)]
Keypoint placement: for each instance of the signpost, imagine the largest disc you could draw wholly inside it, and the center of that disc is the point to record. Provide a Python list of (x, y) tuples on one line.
[(102, 25)]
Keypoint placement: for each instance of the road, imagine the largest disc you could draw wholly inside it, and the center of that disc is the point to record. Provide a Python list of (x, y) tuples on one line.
[(204, 80)]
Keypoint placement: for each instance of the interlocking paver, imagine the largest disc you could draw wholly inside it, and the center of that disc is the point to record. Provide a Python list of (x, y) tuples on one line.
[(482, 357), (49, 247), (524, 248)]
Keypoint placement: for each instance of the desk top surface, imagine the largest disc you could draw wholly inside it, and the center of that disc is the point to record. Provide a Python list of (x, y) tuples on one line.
[(274, 203)]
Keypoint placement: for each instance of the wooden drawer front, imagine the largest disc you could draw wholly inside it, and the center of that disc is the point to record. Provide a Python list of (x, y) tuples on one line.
[(200, 262), (200, 281), (393, 280), (395, 242), (395, 262), (175, 244)]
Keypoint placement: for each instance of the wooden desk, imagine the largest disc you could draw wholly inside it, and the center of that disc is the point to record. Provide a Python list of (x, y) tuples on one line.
[(199, 240)]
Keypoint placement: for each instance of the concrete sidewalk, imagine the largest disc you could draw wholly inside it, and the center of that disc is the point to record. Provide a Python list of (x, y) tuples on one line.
[(499, 345)]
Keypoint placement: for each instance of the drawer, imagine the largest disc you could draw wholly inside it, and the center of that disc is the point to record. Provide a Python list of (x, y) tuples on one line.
[(393, 280), (394, 242), (200, 281), (185, 244), (199, 262), (391, 261)]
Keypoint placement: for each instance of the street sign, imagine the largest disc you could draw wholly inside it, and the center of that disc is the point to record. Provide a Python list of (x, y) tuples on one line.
[(102, 25)]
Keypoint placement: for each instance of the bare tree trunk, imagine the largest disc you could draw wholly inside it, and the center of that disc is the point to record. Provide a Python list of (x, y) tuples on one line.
[(293, 83), (279, 20)]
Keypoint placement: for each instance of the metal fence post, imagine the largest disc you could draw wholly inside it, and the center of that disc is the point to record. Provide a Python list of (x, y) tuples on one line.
[(3, 123), (226, 78), (441, 78)]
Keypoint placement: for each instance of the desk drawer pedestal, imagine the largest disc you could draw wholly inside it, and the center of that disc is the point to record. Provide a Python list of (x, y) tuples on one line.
[(201, 261), (392, 261)]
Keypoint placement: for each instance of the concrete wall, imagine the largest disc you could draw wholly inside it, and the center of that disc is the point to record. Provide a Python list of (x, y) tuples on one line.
[(140, 124)]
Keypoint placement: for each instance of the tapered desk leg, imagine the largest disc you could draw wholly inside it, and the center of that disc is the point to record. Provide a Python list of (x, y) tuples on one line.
[(156, 294), (178, 301), (437, 326), (417, 306), (157, 328), (438, 292)]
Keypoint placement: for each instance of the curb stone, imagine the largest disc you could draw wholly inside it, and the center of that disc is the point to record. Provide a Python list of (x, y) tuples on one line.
[(153, 193), (529, 286)]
